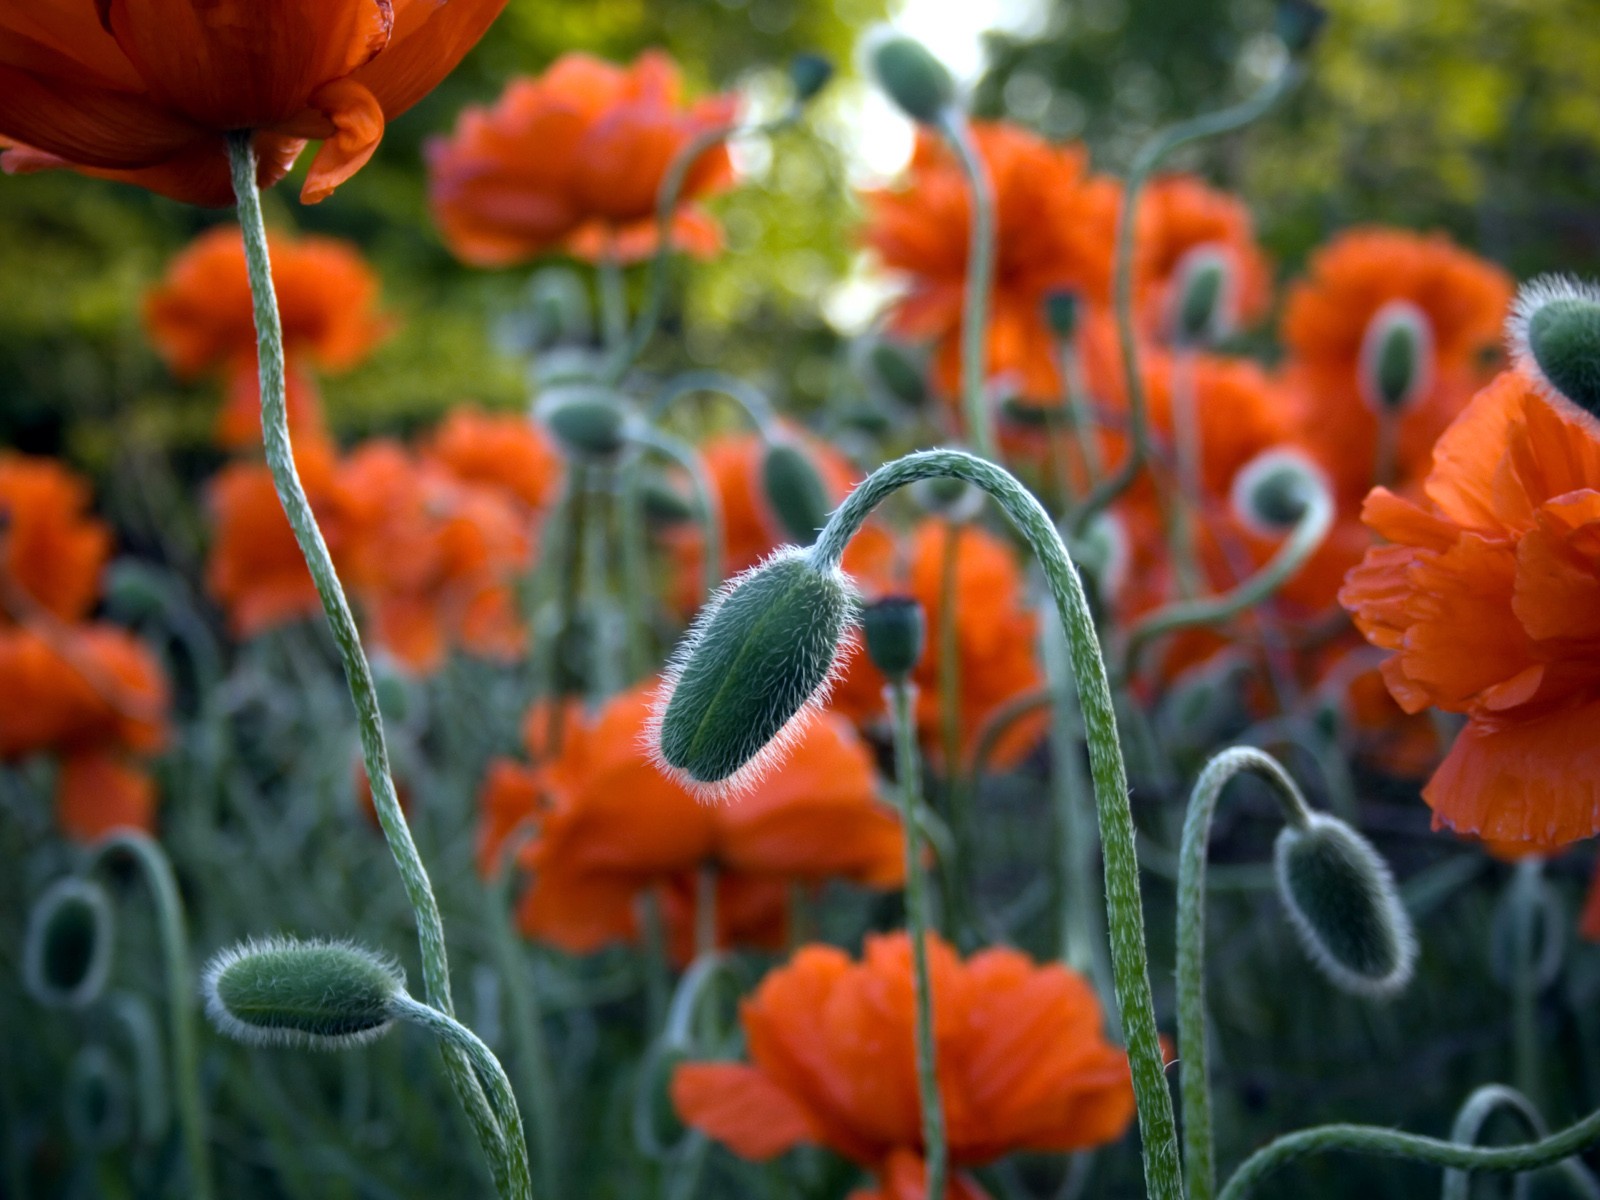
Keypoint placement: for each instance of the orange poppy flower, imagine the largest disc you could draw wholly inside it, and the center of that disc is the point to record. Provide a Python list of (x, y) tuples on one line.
[(996, 634), (1022, 1061), (51, 549), (612, 827), (1487, 599), (1183, 216), (1357, 281), (573, 159), (200, 319), (504, 451), (97, 792), (1054, 231), (144, 91)]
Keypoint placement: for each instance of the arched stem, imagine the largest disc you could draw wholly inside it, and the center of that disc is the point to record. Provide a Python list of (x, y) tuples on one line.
[(750, 399), (1468, 1127), (705, 498), (979, 282), (1124, 906)]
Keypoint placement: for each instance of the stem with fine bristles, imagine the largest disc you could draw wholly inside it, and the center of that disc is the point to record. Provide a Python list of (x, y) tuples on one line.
[(1125, 908)]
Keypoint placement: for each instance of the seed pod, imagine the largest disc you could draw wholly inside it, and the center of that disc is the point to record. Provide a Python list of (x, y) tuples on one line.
[(1203, 297), (1397, 359), (589, 422), (1299, 24), (896, 629), (664, 504), (760, 657), (281, 991), (795, 490), (1555, 337), (809, 73), (66, 955), (1272, 491), (894, 371), (918, 83), (1061, 313), (1343, 902)]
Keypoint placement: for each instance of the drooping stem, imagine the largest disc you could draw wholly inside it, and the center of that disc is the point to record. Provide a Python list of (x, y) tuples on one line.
[(513, 1148), (1144, 165), (1125, 907), (980, 281), (705, 497), (1194, 1081), (342, 623), (1469, 1123), (908, 778), (957, 799), (174, 933), (751, 399)]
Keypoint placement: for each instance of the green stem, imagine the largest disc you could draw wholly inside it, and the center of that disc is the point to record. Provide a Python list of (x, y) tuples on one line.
[(1083, 421), (1468, 1127), (704, 495), (705, 910), (357, 671), (979, 282), (995, 727), (956, 798), (157, 872), (635, 571), (902, 703), (1390, 1143), (1526, 982), (1199, 1148), (1148, 159), (1302, 542), (513, 1149), (751, 399), (1124, 904), (613, 298)]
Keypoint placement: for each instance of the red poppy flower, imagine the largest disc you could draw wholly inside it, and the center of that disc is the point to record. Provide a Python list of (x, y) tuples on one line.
[(503, 451), (573, 159), (996, 633), (612, 827), (1022, 1061), (200, 318), (51, 549), (144, 91), (1488, 599), (1055, 228), (1182, 217), (1355, 283)]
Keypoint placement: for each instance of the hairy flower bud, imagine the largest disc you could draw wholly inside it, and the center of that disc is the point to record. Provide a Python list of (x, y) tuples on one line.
[(1299, 24), (795, 490), (1396, 357), (809, 73), (919, 84), (1203, 304), (66, 953), (1272, 491), (1343, 902), (895, 630), (760, 657), (589, 422), (888, 365), (1555, 337), (281, 991)]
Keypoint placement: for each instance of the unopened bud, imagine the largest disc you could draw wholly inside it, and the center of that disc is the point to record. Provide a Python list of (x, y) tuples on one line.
[(662, 501), (66, 953), (1343, 902), (919, 84), (947, 497), (759, 658), (896, 373), (809, 73), (795, 490), (895, 629), (1272, 492), (285, 992), (98, 1100), (1555, 337), (1396, 357), (589, 422), (1299, 24), (1061, 313), (1203, 303)]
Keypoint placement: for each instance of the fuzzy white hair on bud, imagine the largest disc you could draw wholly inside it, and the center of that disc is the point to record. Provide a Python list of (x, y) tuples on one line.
[(317, 993), (1396, 364), (1553, 336), (66, 951), (1272, 491)]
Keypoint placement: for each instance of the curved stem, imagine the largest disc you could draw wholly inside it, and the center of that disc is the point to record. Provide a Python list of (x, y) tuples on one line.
[(757, 408), (908, 779), (1147, 160), (1390, 1143), (513, 1149), (1302, 542), (342, 623), (705, 498), (1124, 904), (174, 931), (1468, 1127), (1194, 1080), (996, 725), (980, 280)]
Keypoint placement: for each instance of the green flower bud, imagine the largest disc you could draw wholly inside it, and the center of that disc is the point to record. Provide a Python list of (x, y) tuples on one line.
[(66, 953), (1272, 491), (759, 659), (1299, 24), (809, 73), (98, 1100), (795, 490), (281, 991), (1344, 904), (895, 630), (1023, 413), (1555, 337), (895, 372), (589, 422), (1061, 313), (918, 83), (663, 503), (947, 497), (1396, 357), (1203, 297)]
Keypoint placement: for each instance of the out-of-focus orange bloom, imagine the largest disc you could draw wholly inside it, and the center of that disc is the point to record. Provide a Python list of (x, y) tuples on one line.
[(200, 319), (573, 159), (996, 634), (612, 828), (144, 91), (99, 791), (1055, 228), (499, 450), (1353, 280), (1488, 599), (1186, 216), (51, 549), (1023, 1064)]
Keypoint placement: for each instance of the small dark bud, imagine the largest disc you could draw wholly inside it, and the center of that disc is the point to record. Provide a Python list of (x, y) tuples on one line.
[(1061, 313), (895, 630), (918, 83), (1299, 24), (664, 504), (1274, 490), (66, 953), (896, 373), (98, 1100), (795, 490), (589, 422), (1396, 357), (1203, 297), (809, 73)]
